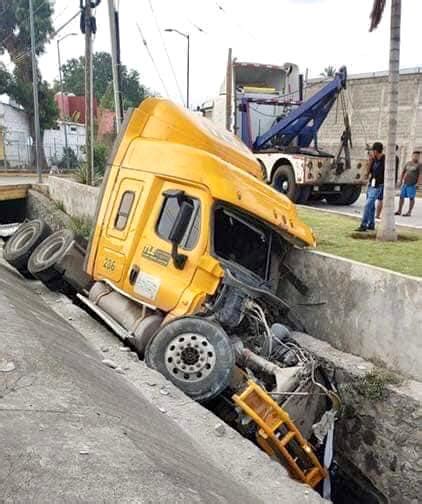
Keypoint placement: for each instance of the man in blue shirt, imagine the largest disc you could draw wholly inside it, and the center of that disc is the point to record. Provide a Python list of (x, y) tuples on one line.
[(375, 187)]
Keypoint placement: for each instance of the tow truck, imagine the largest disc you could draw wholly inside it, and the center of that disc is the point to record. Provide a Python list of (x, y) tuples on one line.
[(183, 264), (264, 105)]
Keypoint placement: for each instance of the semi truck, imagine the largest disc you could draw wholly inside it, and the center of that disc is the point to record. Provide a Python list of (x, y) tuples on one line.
[(264, 105), (183, 264)]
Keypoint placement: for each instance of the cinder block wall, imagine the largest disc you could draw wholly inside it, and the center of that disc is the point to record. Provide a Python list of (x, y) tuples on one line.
[(367, 98)]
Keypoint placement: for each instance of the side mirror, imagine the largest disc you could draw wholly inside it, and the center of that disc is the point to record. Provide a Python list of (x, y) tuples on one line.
[(178, 231)]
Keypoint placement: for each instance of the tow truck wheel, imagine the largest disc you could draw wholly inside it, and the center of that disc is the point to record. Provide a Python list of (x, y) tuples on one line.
[(44, 260), (347, 196), (284, 181), (195, 354), (20, 246)]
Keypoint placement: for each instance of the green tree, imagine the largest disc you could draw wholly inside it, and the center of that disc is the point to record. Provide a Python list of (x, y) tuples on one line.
[(16, 42), (132, 90), (329, 71), (387, 230)]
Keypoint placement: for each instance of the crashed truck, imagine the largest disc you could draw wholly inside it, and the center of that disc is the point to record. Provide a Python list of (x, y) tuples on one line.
[(184, 263), (265, 106)]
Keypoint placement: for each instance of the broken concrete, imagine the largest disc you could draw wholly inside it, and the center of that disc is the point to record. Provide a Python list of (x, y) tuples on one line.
[(361, 309), (72, 429), (379, 433)]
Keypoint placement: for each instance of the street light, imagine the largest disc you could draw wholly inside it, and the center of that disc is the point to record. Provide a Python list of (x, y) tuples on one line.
[(61, 91), (186, 36)]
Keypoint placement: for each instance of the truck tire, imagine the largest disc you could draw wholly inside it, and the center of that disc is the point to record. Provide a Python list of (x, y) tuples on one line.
[(347, 196), (44, 260), (284, 181), (303, 194), (23, 242), (195, 354)]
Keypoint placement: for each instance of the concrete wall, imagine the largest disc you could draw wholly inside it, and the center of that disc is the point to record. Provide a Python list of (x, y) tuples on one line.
[(79, 200), (360, 309), (378, 443), (367, 97)]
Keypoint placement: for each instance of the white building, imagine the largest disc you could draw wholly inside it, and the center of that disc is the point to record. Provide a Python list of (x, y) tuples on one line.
[(16, 141)]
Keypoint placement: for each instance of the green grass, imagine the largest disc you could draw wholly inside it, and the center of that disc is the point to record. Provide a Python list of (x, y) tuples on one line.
[(335, 235)]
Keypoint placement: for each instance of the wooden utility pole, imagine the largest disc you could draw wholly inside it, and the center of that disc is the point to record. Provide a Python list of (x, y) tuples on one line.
[(89, 106), (37, 138), (115, 62)]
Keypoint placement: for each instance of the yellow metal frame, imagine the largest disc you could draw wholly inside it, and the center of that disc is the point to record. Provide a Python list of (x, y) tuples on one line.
[(270, 417)]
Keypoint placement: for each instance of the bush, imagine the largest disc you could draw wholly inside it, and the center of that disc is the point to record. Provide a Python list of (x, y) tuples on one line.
[(101, 153), (73, 160)]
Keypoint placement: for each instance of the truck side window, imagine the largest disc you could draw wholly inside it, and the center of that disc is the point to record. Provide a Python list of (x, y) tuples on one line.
[(124, 210), (168, 215)]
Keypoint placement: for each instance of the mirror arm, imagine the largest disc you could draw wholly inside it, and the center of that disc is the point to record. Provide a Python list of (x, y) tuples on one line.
[(179, 260)]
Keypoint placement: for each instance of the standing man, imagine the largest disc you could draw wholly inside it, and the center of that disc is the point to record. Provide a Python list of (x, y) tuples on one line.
[(375, 187), (408, 181)]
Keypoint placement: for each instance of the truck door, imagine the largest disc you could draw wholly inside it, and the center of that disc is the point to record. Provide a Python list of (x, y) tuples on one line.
[(152, 276), (120, 226)]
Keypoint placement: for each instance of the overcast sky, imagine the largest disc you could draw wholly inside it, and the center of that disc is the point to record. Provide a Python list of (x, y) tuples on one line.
[(311, 33)]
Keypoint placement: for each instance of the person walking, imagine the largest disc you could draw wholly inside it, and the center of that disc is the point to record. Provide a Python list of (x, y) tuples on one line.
[(375, 188), (408, 181)]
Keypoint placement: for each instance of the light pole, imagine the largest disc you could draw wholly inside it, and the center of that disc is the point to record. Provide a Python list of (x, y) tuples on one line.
[(62, 93), (186, 36)]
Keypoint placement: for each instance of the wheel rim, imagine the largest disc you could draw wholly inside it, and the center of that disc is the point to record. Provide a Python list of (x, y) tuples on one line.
[(282, 184), (190, 357)]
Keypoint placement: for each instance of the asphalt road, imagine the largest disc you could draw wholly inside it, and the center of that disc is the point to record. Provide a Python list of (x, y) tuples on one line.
[(356, 210), (72, 430)]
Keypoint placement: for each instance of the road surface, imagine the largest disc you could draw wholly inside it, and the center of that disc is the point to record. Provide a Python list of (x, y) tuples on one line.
[(356, 210)]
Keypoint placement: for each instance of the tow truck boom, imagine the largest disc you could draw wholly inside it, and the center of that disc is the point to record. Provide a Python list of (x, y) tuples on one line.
[(305, 121)]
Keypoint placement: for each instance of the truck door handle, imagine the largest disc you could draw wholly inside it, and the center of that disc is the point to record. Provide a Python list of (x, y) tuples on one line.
[(133, 275)]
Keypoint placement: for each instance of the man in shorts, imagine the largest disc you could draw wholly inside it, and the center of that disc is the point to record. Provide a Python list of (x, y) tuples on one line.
[(408, 181)]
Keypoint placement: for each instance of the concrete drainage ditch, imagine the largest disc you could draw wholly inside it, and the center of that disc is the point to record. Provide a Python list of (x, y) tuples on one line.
[(378, 436)]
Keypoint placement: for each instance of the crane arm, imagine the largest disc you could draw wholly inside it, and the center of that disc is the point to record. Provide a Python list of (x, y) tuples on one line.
[(305, 121)]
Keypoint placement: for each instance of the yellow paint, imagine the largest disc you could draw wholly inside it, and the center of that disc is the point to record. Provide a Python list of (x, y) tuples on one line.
[(165, 148)]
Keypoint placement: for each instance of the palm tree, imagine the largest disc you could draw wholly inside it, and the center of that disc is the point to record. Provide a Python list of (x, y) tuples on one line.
[(329, 71), (387, 230)]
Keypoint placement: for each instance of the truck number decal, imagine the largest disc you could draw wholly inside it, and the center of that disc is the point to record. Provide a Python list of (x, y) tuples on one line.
[(109, 264)]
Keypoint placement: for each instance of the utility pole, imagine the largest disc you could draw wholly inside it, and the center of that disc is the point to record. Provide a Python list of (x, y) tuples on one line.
[(115, 63), (35, 91), (89, 108), (187, 37)]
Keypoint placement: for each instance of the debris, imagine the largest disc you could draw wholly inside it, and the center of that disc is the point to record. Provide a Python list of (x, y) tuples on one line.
[(321, 428), (69, 318), (219, 429), (119, 370), (151, 384), (162, 410), (6, 366), (109, 363), (83, 452), (126, 368), (104, 349), (164, 391), (124, 349)]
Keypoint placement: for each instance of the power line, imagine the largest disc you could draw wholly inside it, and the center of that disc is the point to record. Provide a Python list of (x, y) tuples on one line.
[(166, 51), (152, 59)]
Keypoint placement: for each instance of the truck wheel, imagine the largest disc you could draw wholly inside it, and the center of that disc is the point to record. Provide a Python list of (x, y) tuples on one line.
[(43, 262), (284, 181), (347, 196), (303, 194), (195, 354), (25, 240), (353, 194)]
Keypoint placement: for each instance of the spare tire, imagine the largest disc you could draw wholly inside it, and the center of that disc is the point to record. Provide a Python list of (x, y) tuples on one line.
[(23, 242), (195, 354), (44, 261)]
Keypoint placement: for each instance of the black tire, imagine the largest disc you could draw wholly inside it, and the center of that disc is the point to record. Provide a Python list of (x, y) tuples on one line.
[(303, 194), (195, 354), (44, 260), (347, 196), (23, 242), (284, 181)]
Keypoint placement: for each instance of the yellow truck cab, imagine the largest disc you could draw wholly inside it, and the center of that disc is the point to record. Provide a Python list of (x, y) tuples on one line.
[(184, 263)]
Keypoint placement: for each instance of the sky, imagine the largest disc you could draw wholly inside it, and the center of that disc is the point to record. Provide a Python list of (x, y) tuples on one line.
[(310, 33)]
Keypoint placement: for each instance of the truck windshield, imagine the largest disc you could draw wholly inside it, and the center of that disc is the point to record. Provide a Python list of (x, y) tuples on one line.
[(240, 239)]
